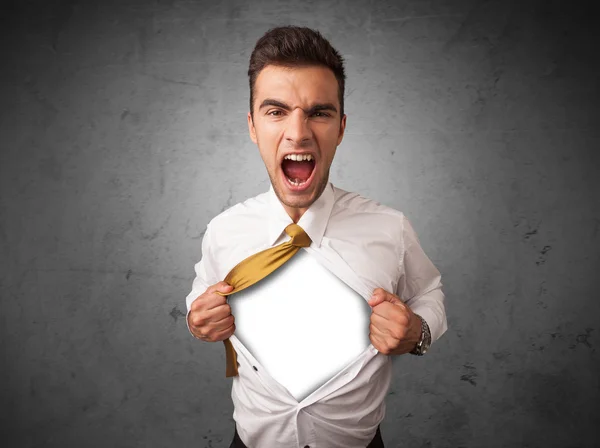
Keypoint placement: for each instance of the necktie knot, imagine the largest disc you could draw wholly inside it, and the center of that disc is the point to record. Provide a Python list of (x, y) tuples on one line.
[(299, 237)]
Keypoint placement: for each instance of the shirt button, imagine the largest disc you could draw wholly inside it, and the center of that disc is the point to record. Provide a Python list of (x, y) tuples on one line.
[(254, 367)]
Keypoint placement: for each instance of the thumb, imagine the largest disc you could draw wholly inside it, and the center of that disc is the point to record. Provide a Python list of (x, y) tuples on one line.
[(223, 289), (380, 295)]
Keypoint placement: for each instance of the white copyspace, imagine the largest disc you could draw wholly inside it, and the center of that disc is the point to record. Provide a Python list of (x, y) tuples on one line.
[(302, 323)]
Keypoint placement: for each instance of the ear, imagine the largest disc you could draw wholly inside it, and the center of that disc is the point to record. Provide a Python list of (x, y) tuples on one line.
[(342, 130), (251, 129)]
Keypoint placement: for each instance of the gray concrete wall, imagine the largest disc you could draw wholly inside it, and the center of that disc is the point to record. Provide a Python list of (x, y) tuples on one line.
[(123, 132)]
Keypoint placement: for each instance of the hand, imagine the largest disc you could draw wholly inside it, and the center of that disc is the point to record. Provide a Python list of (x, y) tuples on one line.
[(210, 317), (394, 328)]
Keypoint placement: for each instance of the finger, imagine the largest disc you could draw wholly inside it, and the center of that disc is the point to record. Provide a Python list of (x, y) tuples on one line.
[(375, 330), (206, 317), (225, 333), (392, 333), (389, 311), (379, 321), (208, 300), (390, 317), (214, 301), (377, 297), (383, 309), (221, 325), (393, 311), (214, 331), (222, 286), (218, 313), (378, 343), (374, 301), (380, 295), (384, 330)]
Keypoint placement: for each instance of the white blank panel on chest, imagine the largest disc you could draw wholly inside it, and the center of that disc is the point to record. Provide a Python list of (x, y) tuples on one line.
[(302, 323)]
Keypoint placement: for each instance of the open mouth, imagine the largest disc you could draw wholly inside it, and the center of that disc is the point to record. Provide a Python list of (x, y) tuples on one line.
[(298, 170)]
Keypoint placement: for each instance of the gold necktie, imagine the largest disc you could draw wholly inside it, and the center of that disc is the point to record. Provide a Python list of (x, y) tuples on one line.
[(256, 267)]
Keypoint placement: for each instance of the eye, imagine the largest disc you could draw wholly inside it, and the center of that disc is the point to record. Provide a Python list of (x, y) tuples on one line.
[(321, 114), (275, 113)]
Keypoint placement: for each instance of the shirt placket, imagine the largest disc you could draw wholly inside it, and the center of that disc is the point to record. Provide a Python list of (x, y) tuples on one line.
[(305, 431), (306, 434)]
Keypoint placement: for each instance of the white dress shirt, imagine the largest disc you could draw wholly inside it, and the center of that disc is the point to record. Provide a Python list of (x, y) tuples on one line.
[(367, 245)]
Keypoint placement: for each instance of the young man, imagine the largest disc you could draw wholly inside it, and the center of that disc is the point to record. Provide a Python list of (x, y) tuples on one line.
[(297, 108)]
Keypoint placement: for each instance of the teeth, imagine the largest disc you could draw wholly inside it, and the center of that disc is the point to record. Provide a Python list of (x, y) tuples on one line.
[(297, 184), (299, 157)]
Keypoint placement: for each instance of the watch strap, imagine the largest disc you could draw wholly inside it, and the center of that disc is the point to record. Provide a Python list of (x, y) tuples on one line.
[(425, 340)]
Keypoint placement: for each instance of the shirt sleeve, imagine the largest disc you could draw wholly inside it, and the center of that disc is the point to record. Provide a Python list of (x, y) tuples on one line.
[(420, 284), (205, 273)]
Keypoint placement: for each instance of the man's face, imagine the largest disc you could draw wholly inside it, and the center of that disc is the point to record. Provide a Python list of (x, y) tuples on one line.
[(297, 111)]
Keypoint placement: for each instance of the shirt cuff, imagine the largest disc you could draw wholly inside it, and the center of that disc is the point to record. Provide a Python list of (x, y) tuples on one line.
[(437, 324)]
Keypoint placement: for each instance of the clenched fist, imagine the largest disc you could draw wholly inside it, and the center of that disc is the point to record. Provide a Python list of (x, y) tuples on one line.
[(394, 328), (210, 317)]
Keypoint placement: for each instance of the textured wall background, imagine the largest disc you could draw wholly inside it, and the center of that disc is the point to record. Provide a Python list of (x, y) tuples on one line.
[(123, 131)]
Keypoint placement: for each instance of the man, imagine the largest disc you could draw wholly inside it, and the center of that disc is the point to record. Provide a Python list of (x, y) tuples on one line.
[(297, 107)]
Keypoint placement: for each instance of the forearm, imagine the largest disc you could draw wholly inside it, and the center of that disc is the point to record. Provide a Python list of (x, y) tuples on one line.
[(430, 306), (420, 286)]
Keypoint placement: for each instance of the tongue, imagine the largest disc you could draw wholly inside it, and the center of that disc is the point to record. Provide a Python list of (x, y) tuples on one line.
[(297, 171)]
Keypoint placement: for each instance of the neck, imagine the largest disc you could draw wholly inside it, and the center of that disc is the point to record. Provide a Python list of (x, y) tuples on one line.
[(294, 213)]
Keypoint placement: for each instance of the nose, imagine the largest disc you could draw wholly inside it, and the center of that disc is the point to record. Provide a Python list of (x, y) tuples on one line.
[(298, 129)]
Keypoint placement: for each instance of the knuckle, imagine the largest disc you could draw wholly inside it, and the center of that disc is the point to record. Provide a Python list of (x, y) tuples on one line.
[(386, 347), (382, 347), (196, 304), (220, 298), (404, 332), (199, 334), (199, 319), (398, 333)]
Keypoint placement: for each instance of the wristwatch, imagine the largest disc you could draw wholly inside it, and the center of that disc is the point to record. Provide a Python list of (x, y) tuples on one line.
[(425, 341)]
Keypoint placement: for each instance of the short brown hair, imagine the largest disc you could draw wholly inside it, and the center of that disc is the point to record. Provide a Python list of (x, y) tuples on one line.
[(293, 46)]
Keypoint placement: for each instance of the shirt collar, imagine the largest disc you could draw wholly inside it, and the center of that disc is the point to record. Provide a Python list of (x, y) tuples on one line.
[(313, 221)]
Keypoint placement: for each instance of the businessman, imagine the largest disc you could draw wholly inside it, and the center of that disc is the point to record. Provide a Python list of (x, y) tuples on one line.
[(297, 120)]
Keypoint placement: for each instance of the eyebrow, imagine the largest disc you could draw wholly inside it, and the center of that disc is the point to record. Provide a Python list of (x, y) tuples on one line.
[(315, 108)]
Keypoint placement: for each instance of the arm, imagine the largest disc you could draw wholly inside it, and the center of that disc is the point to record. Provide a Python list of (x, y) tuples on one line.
[(395, 328), (420, 284), (205, 274)]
